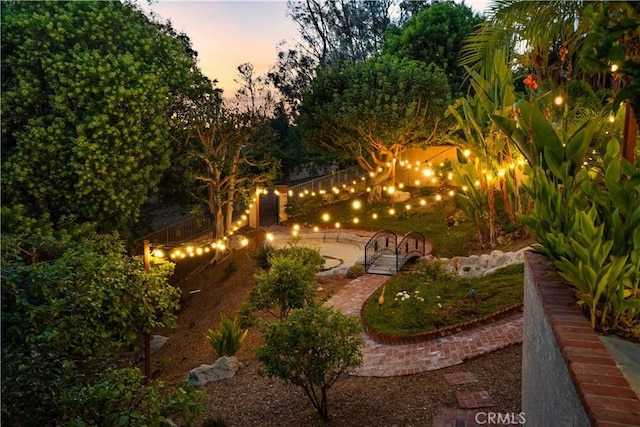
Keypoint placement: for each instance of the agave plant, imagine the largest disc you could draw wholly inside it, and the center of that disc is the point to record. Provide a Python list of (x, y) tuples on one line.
[(228, 338)]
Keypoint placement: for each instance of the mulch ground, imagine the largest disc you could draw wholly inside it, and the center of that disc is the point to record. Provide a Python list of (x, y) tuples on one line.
[(250, 399)]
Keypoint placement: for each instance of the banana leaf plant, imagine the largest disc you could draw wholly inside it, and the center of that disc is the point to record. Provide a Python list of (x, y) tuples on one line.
[(491, 152)]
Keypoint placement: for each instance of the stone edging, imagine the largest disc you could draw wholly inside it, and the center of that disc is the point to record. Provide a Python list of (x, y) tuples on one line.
[(388, 339), (602, 389)]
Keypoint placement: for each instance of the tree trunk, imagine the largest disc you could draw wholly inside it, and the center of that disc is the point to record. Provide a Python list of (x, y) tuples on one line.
[(491, 207), (323, 410)]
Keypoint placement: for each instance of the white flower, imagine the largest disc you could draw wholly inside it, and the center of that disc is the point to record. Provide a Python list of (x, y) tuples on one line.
[(438, 297), (439, 305)]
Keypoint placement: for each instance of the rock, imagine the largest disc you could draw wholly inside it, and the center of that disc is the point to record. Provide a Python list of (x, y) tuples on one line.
[(224, 367), (157, 341), (484, 259), (400, 196), (235, 242)]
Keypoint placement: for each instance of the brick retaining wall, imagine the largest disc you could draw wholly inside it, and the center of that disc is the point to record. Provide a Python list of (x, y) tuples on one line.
[(568, 376)]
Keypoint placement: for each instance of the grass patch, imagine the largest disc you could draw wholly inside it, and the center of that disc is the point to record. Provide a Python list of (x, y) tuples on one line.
[(429, 298), (429, 219)]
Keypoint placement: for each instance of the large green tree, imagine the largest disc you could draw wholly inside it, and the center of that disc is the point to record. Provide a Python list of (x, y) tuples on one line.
[(87, 92), (372, 111), (436, 34), (330, 32)]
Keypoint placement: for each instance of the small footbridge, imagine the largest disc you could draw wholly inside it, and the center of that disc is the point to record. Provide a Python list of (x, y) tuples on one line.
[(384, 255)]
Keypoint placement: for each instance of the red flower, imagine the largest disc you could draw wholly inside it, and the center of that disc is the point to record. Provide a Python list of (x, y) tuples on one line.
[(531, 82)]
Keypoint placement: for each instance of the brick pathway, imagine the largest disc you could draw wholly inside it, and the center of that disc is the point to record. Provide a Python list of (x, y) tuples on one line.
[(387, 361), (452, 417)]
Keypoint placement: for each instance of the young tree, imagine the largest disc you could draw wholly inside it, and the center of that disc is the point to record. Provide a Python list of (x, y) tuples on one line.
[(289, 283), (311, 349), (87, 92), (373, 110)]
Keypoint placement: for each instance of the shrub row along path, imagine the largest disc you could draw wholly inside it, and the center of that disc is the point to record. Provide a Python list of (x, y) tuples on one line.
[(394, 360)]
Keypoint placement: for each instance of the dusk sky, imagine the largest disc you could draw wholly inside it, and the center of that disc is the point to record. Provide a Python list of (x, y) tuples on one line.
[(231, 32)]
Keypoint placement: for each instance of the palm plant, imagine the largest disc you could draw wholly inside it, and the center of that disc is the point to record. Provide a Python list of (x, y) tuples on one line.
[(534, 34)]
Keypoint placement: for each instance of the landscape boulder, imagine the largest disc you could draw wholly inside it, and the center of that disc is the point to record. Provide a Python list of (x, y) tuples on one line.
[(225, 367)]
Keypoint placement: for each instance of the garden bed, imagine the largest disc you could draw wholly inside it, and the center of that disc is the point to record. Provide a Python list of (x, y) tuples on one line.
[(388, 339)]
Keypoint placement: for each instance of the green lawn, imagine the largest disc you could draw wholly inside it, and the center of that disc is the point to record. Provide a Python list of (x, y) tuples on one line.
[(424, 300), (429, 219)]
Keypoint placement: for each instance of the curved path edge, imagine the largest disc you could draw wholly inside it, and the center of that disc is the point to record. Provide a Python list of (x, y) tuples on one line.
[(395, 360)]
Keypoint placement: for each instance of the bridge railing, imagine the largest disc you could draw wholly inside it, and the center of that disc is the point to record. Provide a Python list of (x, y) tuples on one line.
[(384, 241), (412, 245)]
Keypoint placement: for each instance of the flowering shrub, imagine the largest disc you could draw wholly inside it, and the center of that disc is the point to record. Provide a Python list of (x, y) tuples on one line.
[(413, 310)]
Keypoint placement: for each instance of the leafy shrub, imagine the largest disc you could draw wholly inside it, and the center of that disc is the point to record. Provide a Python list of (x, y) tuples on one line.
[(120, 397), (231, 268), (263, 256), (356, 271), (311, 348), (76, 301), (289, 284), (228, 338), (435, 271), (587, 221)]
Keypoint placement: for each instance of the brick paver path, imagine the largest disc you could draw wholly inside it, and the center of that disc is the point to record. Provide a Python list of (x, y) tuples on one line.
[(388, 361), (459, 378), (452, 417), (474, 399)]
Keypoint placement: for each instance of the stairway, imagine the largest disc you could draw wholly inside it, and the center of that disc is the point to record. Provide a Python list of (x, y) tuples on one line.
[(385, 264)]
